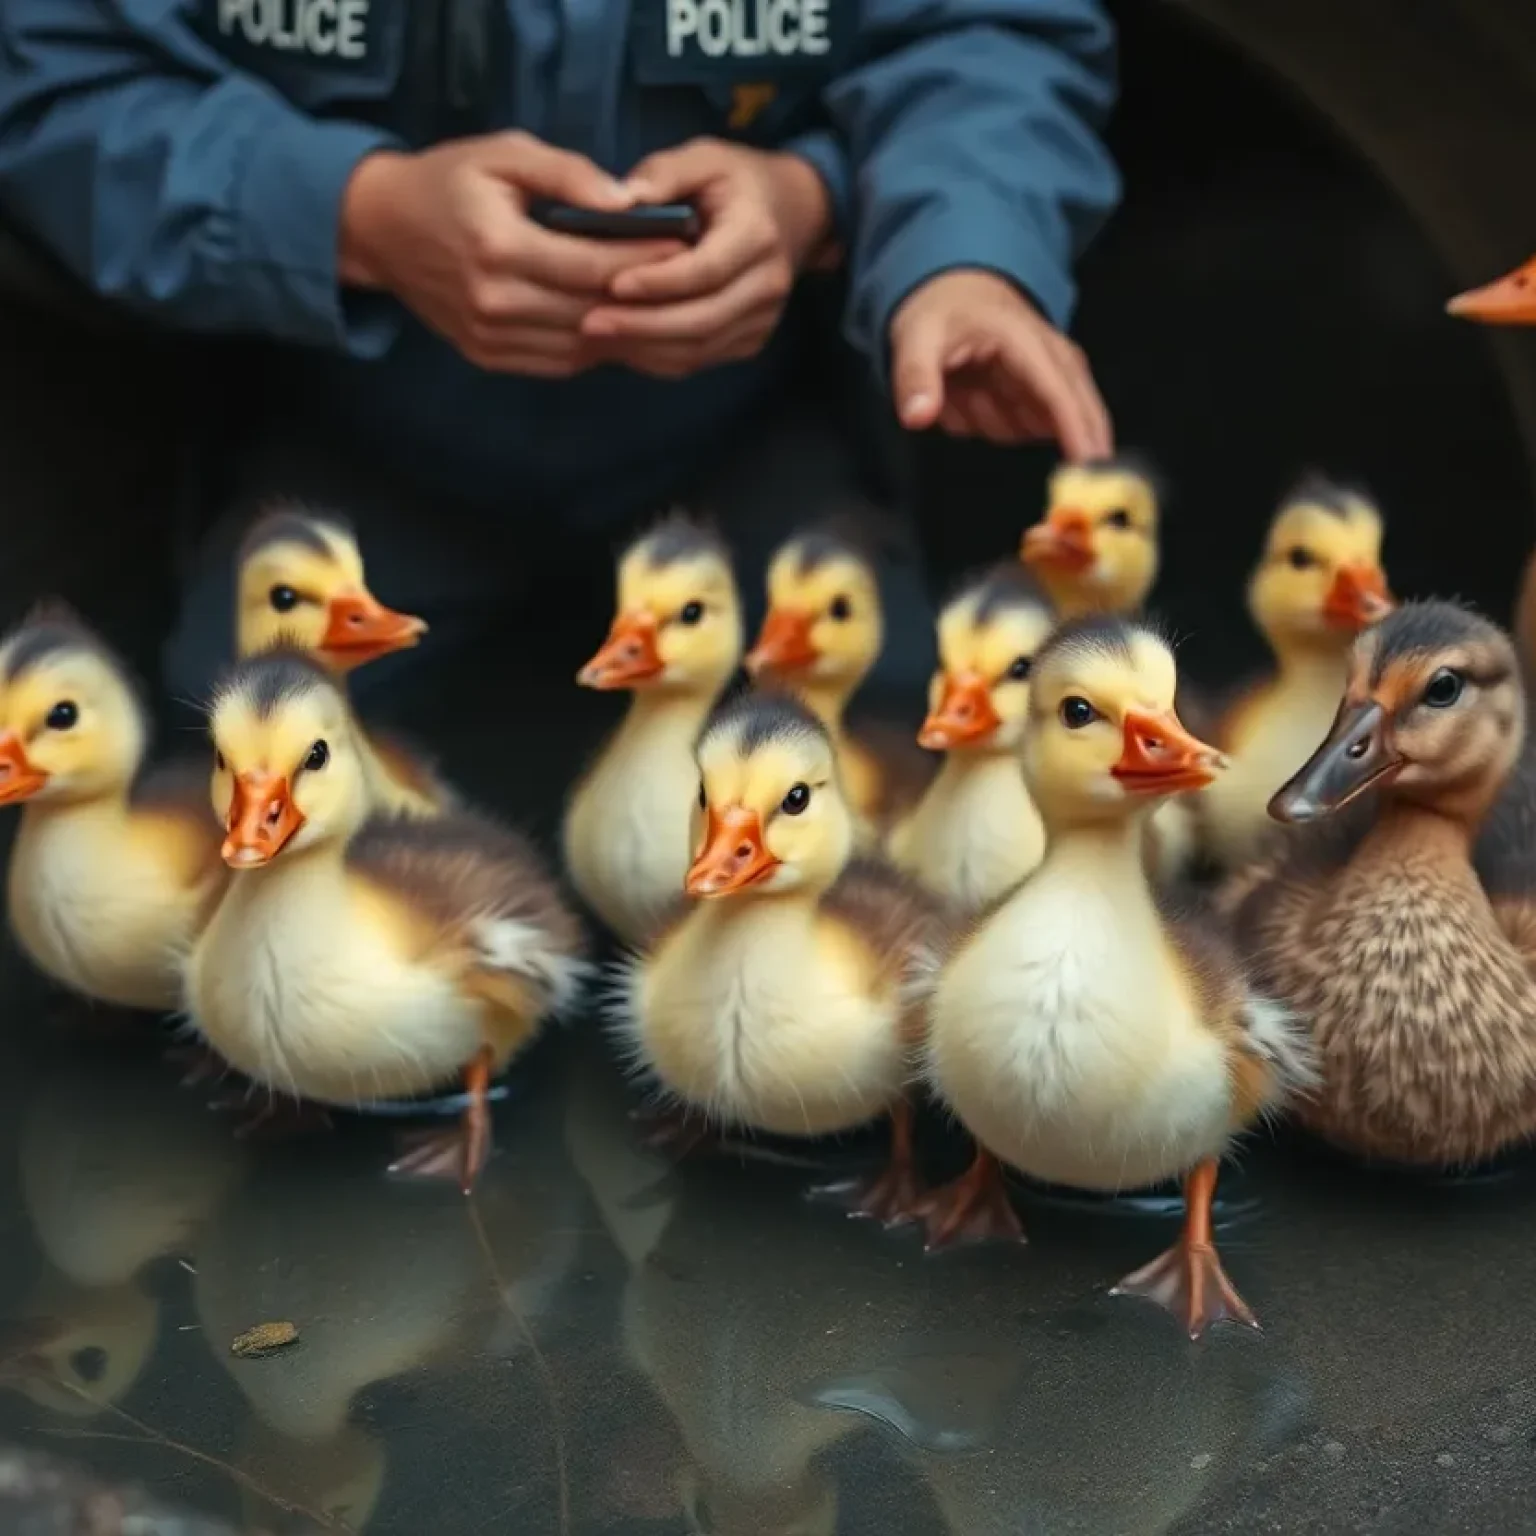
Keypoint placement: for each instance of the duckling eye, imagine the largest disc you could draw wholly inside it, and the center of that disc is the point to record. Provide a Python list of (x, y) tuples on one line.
[(1077, 712), (1444, 688), (796, 800), (1020, 668), (63, 715), (703, 798), (841, 608), (319, 756), (284, 599), (1119, 518), (1301, 559), (218, 761), (90, 1363), (691, 613)]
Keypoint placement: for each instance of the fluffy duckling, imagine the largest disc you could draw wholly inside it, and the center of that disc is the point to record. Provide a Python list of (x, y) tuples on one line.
[(112, 873), (355, 958), (1084, 1033), (300, 582), (1319, 583), (1096, 549), (1404, 930), (675, 643), (975, 834), (821, 635), (785, 999)]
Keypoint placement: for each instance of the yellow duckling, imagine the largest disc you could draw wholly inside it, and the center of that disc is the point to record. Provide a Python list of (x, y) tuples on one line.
[(1319, 583), (821, 635), (111, 874), (300, 582), (1083, 1033), (1404, 932), (975, 834), (675, 643), (1096, 549), (785, 1000), (358, 959)]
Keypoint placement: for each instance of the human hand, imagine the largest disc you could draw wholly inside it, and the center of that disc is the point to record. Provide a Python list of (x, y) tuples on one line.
[(765, 216), (447, 232), (970, 353)]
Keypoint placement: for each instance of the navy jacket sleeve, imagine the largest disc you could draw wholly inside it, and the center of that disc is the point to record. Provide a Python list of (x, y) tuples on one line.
[(973, 128), (168, 181)]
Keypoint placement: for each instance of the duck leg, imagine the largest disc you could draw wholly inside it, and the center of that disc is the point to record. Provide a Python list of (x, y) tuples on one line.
[(893, 1196), (1188, 1280), (462, 1152), (973, 1208), (198, 1063), (670, 1128)]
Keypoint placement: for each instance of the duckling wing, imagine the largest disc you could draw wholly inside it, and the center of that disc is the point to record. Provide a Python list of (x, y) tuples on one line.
[(483, 887), (904, 928), (175, 793)]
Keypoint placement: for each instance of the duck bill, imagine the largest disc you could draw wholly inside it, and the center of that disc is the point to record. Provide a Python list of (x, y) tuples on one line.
[(262, 820), (359, 628), (1160, 757), (1358, 755), (733, 856), (1358, 597), (628, 657), (1508, 300), (20, 779), (784, 645), (1063, 542), (964, 715)]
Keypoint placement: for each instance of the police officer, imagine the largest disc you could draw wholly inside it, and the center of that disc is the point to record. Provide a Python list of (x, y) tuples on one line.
[(362, 179)]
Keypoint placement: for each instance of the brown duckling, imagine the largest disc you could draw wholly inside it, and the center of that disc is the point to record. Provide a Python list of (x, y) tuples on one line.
[(975, 833), (1319, 583), (113, 872), (822, 634), (1399, 919), (787, 999), (1086, 1033)]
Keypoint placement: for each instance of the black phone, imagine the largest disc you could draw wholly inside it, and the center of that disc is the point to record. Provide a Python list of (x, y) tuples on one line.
[(654, 221)]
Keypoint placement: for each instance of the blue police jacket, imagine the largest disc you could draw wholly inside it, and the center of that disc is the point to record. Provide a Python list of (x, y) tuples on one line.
[(187, 158)]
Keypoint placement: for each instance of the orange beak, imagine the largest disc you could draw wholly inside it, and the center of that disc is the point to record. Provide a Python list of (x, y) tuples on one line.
[(785, 642), (1063, 542), (1160, 757), (359, 628), (1508, 300), (19, 780), (262, 819), (964, 714), (1358, 597), (628, 656), (733, 856)]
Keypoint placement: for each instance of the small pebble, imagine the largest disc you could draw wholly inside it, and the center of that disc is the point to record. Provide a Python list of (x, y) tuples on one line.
[(1445, 1459), (263, 1339), (1202, 1461), (1334, 1448)]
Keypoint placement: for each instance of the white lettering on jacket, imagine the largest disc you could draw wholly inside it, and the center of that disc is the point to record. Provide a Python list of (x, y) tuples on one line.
[(741, 29), (323, 28)]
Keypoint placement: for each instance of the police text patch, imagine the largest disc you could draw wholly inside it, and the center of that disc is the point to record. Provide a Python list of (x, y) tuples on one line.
[(708, 42), (321, 29)]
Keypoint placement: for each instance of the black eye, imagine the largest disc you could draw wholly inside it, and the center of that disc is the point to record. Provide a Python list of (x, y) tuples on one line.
[(319, 756), (284, 599), (63, 715), (1444, 688), (218, 761), (691, 613), (703, 798), (1119, 518), (1301, 559), (841, 608), (1020, 668), (90, 1363), (796, 800), (1077, 712)]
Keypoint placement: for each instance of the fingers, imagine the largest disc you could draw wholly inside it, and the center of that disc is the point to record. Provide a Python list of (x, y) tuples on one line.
[(741, 234), (573, 265), (675, 175), (917, 370), (761, 287), (1042, 364), (679, 359), (541, 170)]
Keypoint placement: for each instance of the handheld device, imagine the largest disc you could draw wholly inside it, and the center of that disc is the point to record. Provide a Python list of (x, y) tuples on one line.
[(655, 221)]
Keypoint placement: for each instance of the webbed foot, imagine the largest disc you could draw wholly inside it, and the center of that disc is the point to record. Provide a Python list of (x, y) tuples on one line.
[(974, 1208)]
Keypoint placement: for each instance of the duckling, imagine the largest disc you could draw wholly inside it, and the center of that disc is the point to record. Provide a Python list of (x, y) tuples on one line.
[(300, 582), (1399, 919), (1084, 1033), (822, 634), (786, 999), (976, 833), (112, 873), (675, 643), (1096, 549), (357, 958), (1319, 583)]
